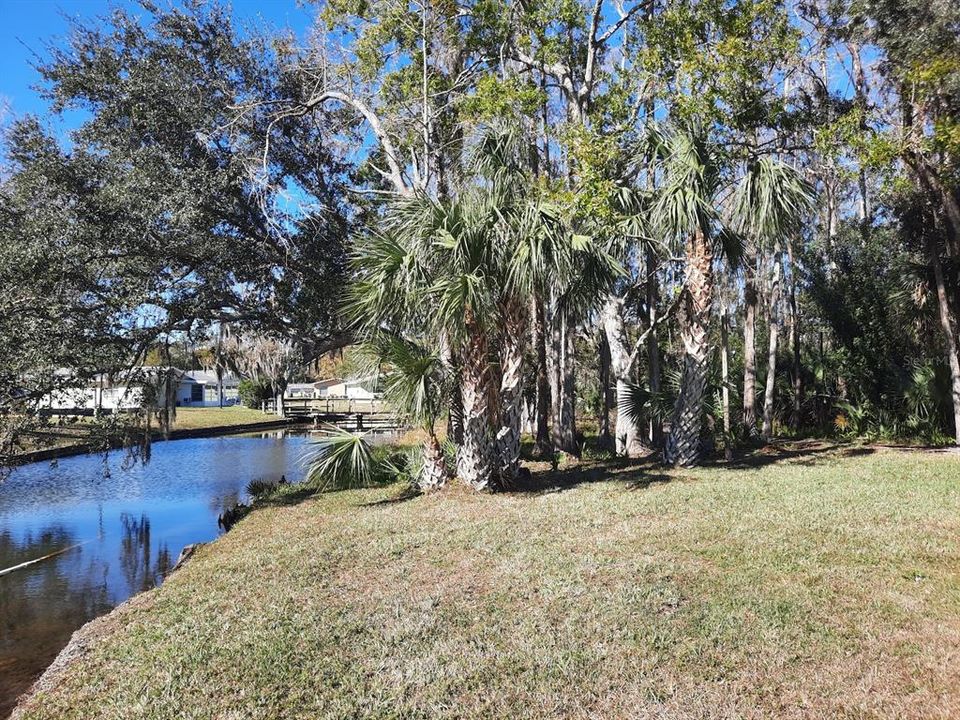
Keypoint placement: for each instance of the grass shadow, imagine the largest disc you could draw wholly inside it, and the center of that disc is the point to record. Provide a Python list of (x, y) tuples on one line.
[(409, 493), (640, 474), (810, 452)]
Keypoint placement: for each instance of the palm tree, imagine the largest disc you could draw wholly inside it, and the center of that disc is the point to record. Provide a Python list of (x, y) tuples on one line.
[(414, 384), (631, 240), (458, 275), (769, 205), (686, 211), (433, 275), (545, 257)]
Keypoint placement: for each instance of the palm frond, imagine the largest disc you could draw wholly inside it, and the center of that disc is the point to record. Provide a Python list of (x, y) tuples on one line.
[(634, 403), (771, 200), (342, 460), (414, 380)]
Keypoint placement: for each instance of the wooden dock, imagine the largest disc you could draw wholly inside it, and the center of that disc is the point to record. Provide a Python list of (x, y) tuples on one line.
[(342, 412)]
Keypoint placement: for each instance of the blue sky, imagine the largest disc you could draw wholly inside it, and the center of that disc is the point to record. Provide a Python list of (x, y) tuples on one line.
[(27, 26)]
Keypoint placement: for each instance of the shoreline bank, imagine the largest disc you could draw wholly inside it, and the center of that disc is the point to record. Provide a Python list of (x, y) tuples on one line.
[(55, 453)]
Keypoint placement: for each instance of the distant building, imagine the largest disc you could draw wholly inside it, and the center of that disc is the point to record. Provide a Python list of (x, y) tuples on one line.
[(335, 389), (319, 389), (207, 379), (147, 386)]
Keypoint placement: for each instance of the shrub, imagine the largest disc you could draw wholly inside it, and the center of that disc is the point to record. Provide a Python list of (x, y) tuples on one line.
[(253, 393)]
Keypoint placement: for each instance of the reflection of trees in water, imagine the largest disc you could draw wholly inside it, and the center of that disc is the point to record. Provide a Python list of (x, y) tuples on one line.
[(136, 551), (64, 590), (33, 546), (42, 605)]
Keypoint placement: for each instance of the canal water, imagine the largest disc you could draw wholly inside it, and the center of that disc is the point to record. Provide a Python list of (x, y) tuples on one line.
[(125, 524)]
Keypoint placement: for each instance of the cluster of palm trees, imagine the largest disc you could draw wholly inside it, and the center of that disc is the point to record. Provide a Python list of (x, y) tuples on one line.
[(450, 295)]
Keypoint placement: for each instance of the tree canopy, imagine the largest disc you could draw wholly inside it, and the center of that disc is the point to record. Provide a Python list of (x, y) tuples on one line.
[(528, 212)]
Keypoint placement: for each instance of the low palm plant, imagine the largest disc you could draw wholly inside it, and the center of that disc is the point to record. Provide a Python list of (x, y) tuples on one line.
[(415, 382), (342, 460)]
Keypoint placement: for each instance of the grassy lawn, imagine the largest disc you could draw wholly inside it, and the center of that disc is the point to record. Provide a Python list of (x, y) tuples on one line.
[(824, 583), (196, 418)]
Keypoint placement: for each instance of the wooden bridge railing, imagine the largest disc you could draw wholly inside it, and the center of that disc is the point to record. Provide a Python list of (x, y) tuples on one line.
[(308, 407)]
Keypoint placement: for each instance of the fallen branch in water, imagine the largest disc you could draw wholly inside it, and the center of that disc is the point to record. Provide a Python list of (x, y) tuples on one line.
[(28, 563)]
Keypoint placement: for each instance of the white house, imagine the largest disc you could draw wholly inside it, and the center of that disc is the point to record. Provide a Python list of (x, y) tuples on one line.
[(335, 388), (208, 392), (145, 385), (319, 389), (125, 390), (359, 389)]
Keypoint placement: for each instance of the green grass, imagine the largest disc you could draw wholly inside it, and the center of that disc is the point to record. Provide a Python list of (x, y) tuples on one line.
[(822, 584), (197, 418)]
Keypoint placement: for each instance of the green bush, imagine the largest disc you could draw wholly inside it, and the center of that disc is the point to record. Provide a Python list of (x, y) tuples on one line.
[(253, 393)]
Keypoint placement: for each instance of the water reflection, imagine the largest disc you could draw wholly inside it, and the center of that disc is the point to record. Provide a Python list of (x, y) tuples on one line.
[(135, 554), (43, 604), (124, 525)]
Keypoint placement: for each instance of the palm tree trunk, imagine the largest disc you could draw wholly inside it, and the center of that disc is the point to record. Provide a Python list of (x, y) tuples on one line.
[(433, 473), (455, 401), (771, 386), (603, 379), (542, 446), (750, 346), (653, 349), (511, 395), (628, 433), (476, 459), (554, 357), (950, 339), (725, 379), (683, 444)]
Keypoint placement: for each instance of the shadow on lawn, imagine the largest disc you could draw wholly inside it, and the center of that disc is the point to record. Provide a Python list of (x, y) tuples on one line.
[(641, 474), (637, 474), (406, 494), (799, 453)]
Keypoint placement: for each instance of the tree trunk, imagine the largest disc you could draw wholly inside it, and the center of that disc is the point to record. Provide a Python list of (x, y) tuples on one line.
[(511, 390), (750, 346), (725, 379), (653, 349), (280, 407), (949, 337), (797, 416), (683, 444), (434, 473), (861, 96), (554, 349), (771, 386), (628, 433), (476, 459), (568, 404), (455, 401), (603, 421), (542, 445)]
